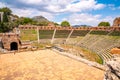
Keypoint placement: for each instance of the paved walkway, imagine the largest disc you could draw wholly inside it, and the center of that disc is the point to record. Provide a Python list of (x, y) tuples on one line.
[(45, 65)]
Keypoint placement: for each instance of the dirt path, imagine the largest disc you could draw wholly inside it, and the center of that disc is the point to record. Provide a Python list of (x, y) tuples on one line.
[(45, 65)]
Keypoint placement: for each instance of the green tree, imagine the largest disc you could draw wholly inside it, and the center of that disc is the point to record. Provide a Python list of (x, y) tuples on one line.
[(4, 27), (105, 24), (25, 20), (7, 24), (43, 23), (65, 24), (6, 12), (56, 24)]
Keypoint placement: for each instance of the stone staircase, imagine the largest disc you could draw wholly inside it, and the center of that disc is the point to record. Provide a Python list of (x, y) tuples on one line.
[(100, 44)]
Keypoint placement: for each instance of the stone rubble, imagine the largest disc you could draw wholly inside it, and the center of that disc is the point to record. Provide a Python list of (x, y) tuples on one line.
[(113, 69)]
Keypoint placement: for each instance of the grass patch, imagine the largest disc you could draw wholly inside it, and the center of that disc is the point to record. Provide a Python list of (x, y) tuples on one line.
[(86, 53), (115, 33), (62, 33), (99, 32), (92, 56), (79, 33), (30, 35), (46, 34)]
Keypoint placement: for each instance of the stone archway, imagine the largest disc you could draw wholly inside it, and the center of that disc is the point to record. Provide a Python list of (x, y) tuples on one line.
[(14, 46)]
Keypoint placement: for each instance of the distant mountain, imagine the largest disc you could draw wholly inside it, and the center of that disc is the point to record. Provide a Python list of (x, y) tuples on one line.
[(82, 26), (40, 19), (76, 25)]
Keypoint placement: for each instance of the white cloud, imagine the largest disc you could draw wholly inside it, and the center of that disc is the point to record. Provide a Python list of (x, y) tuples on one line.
[(65, 5), (31, 13), (84, 5), (22, 12), (36, 2), (2, 5), (49, 16), (109, 19), (99, 6), (88, 19), (113, 7), (64, 19), (82, 18), (50, 8), (119, 7), (63, 2)]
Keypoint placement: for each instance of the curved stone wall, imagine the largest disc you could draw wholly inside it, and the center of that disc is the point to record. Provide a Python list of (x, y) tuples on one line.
[(69, 28)]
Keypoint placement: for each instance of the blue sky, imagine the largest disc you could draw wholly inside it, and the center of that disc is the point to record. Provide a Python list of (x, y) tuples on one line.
[(77, 12)]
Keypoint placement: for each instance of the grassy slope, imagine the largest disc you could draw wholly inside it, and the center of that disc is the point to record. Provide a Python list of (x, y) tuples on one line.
[(86, 53), (46, 34), (28, 35)]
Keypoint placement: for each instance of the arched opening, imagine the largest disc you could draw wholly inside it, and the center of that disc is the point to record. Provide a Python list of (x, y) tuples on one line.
[(13, 46)]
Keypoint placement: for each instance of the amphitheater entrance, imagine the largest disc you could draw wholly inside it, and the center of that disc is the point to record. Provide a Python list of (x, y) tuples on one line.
[(13, 46)]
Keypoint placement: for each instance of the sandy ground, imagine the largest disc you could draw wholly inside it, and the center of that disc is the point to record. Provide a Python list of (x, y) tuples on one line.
[(45, 65)]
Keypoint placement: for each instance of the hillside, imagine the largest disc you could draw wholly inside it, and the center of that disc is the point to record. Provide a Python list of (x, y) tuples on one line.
[(40, 19)]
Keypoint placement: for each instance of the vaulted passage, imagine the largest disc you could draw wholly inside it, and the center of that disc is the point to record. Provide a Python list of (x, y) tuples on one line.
[(13, 46)]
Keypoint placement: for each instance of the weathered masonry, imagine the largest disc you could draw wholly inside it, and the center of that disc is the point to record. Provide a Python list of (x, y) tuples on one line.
[(25, 27), (11, 41), (116, 22)]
